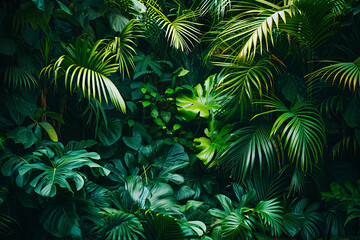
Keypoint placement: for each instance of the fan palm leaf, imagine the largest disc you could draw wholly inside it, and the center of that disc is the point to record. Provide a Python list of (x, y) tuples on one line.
[(87, 67), (302, 129), (16, 77), (309, 21), (181, 32), (120, 225), (252, 27), (244, 80), (124, 47), (254, 148)]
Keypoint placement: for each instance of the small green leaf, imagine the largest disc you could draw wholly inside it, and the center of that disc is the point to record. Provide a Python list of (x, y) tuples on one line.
[(154, 113), (145, 103), (169, 91), (131, 122), (64, 7), (166, 116), (176, 126)]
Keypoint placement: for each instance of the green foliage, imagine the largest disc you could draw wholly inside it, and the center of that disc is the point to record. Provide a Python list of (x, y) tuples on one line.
[(90, 66), (234, 118), (200, 101), (58, 170)]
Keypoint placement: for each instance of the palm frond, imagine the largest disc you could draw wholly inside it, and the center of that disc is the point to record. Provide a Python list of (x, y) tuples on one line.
[(216, 8), (246, 80), (345, 73), (120, 225), (87, 67), (254, 148), (270, 212), (16, 77), (250, 28), (180, 32), (124, 47), (29, 15), (302, 129)]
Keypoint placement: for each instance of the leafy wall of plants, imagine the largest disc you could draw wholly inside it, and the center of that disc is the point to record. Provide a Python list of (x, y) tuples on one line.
[(152, 119)]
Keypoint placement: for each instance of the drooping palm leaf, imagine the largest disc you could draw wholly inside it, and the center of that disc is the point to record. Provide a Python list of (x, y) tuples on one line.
[(16, 77), (161, 226), (181, 31), (252, 27), (87, 67), (216, 8), (243, 81), (254, 148), (120, 225), (345, 73), (301, 128), (123, 47), (270, 212)]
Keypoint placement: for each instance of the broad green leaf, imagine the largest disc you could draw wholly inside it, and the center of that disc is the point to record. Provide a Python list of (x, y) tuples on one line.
[(110, 133), (203, 101), (117, 20), (58, 171), (23, 135), (219, 139), (133, 142)]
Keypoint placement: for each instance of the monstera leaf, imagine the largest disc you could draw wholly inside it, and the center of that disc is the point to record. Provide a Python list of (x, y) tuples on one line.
[(163, 161), (216, 141), (59, 171), (202, 101)]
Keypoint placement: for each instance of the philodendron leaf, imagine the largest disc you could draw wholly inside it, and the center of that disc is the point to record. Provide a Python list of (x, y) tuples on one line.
[(117, 20), (110, 135), (201, 101), (218, 141), (58, 171), (164, 161), (133, 142), (23, 135)]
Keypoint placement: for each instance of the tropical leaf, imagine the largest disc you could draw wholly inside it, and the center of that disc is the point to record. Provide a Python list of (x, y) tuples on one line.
[(119, 225), (30, 15), (59, 170), (161, 226), (236, 226), (312, 220), (217, 140), (250, 28), (345, 73), (163, 161), (87, 67), (270, 212), (16, 77), (111, 132), (254, 148), (180, 32), (216, 8), (202, 101), (123, 46), (302, 129)]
